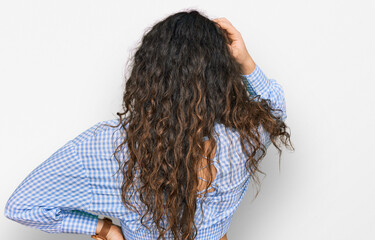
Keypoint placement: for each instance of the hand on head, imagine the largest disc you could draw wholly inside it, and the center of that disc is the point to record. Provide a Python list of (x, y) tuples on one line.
[(237, 47)]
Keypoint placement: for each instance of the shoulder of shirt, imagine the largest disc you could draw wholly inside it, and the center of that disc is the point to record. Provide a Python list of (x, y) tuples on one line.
[(100, 129)]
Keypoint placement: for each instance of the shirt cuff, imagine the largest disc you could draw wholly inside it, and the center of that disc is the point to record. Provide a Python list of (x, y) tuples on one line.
[(257, 81), (79, 222)]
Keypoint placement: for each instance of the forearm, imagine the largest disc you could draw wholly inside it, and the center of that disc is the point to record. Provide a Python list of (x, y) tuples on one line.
[(99, 226), (114, 233), (248, 66)]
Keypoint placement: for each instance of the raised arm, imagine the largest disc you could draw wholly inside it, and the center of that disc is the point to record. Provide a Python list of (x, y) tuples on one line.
[(256, 81)]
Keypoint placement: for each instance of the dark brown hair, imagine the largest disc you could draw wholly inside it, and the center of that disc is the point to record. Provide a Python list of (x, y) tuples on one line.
[(182, 81)]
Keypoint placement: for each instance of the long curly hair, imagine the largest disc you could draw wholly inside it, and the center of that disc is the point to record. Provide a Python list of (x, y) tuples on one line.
[(182, 81)]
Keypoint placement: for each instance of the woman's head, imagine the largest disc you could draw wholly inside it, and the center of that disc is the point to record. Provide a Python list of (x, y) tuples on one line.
[(182, 81), (184, 59)]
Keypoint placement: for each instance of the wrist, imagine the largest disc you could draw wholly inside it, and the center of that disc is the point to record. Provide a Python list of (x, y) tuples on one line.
[(114, 231), (103, 228), (248, 66), (99, 226)]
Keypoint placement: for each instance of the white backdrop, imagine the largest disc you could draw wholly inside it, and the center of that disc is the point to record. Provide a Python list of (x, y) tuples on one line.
[(62, 65)]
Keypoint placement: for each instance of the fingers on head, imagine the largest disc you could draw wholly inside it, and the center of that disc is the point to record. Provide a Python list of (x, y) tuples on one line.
[(230, 48), (222, 20), (225, 24)]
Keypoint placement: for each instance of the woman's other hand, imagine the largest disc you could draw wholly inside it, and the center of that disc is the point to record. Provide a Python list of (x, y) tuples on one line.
[(237, 48), (115, 233)]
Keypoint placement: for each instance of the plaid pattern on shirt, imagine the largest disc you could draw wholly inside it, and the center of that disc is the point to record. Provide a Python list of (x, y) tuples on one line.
[(66, 192)]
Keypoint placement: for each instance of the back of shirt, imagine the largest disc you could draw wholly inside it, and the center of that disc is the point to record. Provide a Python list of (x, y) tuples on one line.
[(65, 193), (230, 183)]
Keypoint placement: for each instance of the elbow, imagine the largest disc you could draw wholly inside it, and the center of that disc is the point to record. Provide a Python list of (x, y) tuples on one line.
[(14, 211), (7, 213), (283, 115), (9, 210), (281, 100)]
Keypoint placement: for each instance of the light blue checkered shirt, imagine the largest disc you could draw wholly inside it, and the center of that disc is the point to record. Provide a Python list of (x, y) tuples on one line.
[(66, 192)]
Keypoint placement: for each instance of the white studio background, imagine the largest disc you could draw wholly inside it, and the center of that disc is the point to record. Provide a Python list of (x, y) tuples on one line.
[(62, 65)]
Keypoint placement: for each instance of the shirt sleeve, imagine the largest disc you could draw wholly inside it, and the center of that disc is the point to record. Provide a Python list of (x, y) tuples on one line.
[(54, 196), (258, 84)]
